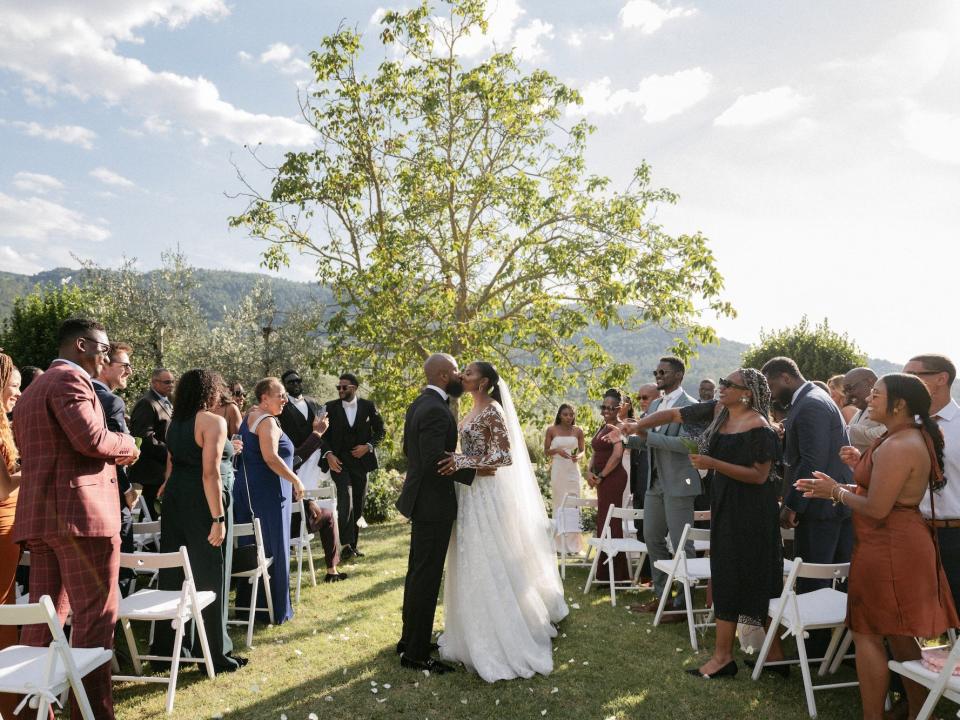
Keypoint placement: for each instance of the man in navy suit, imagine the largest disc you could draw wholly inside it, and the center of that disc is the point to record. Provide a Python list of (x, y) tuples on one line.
[(114, 376), (814, 432)]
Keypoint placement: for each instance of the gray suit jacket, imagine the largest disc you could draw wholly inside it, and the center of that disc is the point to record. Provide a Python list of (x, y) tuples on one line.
[(676, 475)]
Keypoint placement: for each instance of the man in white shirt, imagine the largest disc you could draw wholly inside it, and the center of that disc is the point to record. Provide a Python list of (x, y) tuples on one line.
[(938, 373), (857, 385)]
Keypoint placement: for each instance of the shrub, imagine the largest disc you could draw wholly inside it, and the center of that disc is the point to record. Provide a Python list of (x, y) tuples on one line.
[(383, 489), (819, 352)]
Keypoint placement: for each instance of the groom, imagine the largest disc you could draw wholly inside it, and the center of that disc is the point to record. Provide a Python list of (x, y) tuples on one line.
[(430, 501)]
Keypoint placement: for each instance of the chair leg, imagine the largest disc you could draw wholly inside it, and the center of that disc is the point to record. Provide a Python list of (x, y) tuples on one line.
[(174, 664), (266, 590), (201, 630), (663, 598), (255, 581), (691, 621), (80, 694), (299, 570), (313, 570), (831, 649), (841, 652), (611, 580), (765, 648), (592, 574), (805, 672), (132, 646)]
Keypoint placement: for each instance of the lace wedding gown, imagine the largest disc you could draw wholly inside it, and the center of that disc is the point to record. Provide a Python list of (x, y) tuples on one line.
[(502, 593)]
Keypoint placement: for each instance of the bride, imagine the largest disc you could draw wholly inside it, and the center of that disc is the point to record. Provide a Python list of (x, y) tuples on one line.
[(502, 593)]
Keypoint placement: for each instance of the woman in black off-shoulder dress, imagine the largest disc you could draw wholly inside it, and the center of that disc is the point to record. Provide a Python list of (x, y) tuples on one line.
[(739, 448)]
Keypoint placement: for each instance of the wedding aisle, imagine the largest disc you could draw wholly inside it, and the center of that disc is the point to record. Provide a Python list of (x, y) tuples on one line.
[(336, 660)]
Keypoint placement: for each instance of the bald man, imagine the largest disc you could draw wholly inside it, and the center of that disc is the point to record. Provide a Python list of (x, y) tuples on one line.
[(430, 501), (857, 385)]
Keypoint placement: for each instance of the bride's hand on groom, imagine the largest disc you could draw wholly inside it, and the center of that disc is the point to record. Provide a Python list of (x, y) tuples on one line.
[(447, 465)]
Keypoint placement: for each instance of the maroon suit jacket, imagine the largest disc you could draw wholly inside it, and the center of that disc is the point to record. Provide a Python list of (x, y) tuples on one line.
[(69, 481)]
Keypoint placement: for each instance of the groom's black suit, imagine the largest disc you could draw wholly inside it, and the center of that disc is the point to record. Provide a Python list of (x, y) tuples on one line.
[(430, 501)]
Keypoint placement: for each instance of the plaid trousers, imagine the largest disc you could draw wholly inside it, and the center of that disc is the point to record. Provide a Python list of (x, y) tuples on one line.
[(79, 574)]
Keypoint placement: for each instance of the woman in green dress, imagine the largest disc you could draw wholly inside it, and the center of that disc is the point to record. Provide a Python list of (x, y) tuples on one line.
[(194, 510)]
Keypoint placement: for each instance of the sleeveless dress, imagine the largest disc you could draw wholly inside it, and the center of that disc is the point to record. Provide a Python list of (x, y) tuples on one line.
[(565, 480), (186, 520), (897, 585), (609, 492), (746, 551), (498, 615), (259, 489)]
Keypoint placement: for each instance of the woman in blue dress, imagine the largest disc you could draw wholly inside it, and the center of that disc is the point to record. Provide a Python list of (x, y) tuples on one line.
[(265, 488)]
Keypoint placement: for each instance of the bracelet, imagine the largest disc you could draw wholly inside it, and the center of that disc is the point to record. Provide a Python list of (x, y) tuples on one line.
[(836, 494), (842, 494)]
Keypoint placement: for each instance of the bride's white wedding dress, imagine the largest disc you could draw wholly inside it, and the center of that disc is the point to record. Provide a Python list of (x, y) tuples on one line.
[(502, 592)]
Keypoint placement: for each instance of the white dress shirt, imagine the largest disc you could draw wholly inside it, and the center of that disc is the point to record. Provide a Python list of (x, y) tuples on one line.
[(669, 399), (947, 501), (350, 409), (441, 392), (300, 404)]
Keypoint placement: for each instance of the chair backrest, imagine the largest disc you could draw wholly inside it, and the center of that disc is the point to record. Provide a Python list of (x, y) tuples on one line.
[(24, 558), (324, 492), (626, 513), (701, 516), (816, 571), (142, 508), (242, 530), (150, 527), (689, 534), (787, 534), (155, 561), (572, 501)]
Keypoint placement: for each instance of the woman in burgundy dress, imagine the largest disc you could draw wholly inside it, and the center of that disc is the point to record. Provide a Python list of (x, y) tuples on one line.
[(610, 479)]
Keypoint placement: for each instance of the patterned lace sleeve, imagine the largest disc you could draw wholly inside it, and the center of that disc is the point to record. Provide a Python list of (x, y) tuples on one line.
[(486, 443)]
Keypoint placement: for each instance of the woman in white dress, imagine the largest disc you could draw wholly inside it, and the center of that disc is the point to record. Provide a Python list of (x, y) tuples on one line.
[(564, 445), (502, 592)]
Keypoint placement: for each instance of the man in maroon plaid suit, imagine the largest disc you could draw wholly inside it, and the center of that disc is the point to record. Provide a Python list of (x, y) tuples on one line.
[(68, 512)]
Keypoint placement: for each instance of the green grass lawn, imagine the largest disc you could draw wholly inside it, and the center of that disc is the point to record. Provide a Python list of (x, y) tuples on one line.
[(336, 660)]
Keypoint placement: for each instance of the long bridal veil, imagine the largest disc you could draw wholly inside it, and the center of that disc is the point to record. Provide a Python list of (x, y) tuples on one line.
[(536, 527)]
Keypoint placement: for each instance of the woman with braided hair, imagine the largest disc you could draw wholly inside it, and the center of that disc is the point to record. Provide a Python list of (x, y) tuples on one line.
[(739, 449), (9, 484)]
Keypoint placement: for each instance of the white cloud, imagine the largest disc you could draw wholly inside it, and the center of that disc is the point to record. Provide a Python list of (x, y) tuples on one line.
[(35, 99), (37, 220), (70, 134), (157, 125), (905, 64), (574, 39), (283, 57), (660, 96), (762, 107), (526, 41), (648, 16), (16, 262), (109, 177), (244, 56), (934, 134), (36, 182), (74, 48)]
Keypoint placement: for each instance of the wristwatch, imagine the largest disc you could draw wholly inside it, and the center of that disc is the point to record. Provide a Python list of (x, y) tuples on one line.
[(221, 519)]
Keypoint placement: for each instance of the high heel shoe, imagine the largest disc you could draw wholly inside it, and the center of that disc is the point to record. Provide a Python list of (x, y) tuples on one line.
[(728, 670)]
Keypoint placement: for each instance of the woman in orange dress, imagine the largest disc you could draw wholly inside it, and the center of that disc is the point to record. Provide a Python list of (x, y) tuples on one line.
[(9, 484), (897, 588)]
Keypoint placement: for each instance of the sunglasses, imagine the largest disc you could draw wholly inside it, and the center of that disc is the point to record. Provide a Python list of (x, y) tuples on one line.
[(105, 346), (239, 393), (345, 387), (607, 408), (126, 366), (658, 372), (724, 383)]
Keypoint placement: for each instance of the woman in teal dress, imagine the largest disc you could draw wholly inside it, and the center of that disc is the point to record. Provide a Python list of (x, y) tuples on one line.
[(194, 511)]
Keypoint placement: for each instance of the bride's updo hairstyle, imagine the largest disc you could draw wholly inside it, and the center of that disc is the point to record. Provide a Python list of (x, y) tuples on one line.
[(490, 373)]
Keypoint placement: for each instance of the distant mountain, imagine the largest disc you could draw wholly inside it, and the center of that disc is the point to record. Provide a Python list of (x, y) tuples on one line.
[(219, 290)]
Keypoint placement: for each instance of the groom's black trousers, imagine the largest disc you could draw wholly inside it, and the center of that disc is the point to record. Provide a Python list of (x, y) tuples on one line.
[(428, 550)]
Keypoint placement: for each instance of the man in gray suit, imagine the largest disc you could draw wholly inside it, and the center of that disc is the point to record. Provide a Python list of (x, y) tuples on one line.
[(673, 483)]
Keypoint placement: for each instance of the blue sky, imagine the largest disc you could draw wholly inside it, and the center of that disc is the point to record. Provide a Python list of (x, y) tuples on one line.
[(816, 143)]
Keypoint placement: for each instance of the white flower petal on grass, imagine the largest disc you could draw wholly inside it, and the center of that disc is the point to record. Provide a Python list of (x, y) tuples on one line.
[(381, 700), (387, 686), (555, 690), (374, 690), (543, 712), (329, 698), (575, 606), (373, 683), (497, 702), (426, 673), (298, 653), (312, 716), (463, 701)]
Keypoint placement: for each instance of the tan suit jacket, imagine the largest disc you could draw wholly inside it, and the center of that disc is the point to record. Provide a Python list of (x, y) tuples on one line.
[(863, 431)]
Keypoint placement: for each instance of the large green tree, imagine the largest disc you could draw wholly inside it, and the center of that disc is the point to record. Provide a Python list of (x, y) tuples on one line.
[(819, 351), (29, 334), (450, 209)]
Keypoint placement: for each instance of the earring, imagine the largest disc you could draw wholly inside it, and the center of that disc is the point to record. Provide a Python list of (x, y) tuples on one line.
[(745, 400)]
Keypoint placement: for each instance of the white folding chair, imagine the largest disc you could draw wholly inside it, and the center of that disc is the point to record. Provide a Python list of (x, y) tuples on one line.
[(177, 606), (569, 509), (41, 674), (942, 684), (301, 546), (634, 550), (799, 613), (688, 571), (253, 576), (19, 594), (141, 510)]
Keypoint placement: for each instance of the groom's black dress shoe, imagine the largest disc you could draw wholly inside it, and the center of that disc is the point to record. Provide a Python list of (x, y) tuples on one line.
[(729, 670), (402, 646), (437, 667)]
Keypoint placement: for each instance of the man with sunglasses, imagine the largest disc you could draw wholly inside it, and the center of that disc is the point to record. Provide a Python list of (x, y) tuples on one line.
[(857, 385), (149, 420), (673, 484), (112, 377), (68, 514), (356, 428)]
